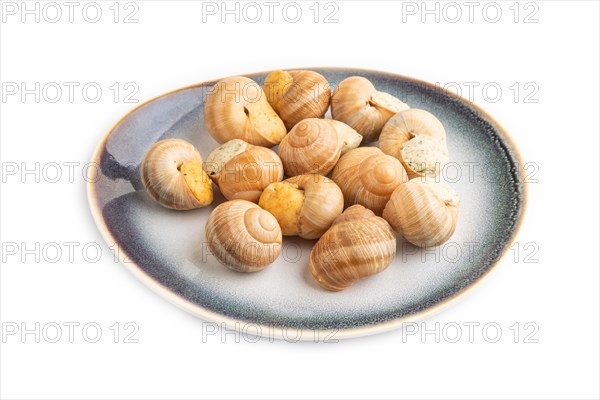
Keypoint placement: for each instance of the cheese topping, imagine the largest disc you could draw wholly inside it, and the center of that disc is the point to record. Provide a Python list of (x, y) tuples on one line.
[(284, 200), (222, 154), (425, 155)]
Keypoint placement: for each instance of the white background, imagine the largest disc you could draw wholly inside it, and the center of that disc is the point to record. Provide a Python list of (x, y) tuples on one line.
[(170, 46)]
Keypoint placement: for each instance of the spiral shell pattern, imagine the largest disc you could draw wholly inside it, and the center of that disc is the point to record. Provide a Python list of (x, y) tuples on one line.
[(312, 146), (297, 95), (368, 177), (243, 236), (425, 212), (358, 245)]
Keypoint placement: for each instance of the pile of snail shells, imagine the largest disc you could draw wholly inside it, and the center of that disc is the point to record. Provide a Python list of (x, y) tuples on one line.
[(350, 198)]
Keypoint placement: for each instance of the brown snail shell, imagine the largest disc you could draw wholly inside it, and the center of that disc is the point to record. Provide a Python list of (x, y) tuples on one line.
[(312, 146), (237, 108), (425, 212), (358, 245), (243, 236), (243, 171), (173, 176), (368, 177), (304, 205), (357, 103), (418, 139), (297, 95)]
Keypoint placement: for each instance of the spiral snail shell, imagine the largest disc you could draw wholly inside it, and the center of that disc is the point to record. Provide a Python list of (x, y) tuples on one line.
[(357, 103), (304, 205), (418, 139), (358, 244), (243, 236), (237, 108), (173, 176), (297, 95), (425, 212), (313, 145), (242, 170), (368, 177)]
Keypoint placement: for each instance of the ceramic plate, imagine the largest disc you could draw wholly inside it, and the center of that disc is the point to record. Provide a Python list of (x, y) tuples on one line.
[(165, 248)]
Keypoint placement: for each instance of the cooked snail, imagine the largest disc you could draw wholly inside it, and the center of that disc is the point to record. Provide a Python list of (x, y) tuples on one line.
[(313, 145), (368, 177), (350, 138), (173, 176), (237, 108), (358, 244), (304, 205), (418, 140), (297, 95), (357, 103), (242, 170), (423, 211), (243, 236)]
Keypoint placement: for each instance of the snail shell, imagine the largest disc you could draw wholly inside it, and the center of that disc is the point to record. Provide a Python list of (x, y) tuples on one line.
[(237, 108), (173, 176), (368, 177), (242, 170), (358, 244), (357, 103), (243, 236), (425, 212), (418, 139), (313, 145), (297, 95), (304, 205)]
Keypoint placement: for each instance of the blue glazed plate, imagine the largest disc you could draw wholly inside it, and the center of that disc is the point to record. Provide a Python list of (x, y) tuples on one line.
[(165, 248)]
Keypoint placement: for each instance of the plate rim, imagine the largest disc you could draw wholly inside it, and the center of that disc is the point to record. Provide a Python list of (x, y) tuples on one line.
[(297, 334)]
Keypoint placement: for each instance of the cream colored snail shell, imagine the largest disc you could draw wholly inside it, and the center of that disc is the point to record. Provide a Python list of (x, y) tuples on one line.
[(313, 145), (242, 170), (297, 95), (237, 108), (173, 176), (357, 103), (304, 205), (368, 177), (418, 139), (243, 236), (358, 245), (425, 212)]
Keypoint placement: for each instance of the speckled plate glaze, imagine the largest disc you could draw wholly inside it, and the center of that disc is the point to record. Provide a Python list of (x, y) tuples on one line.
[(165, 248)]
